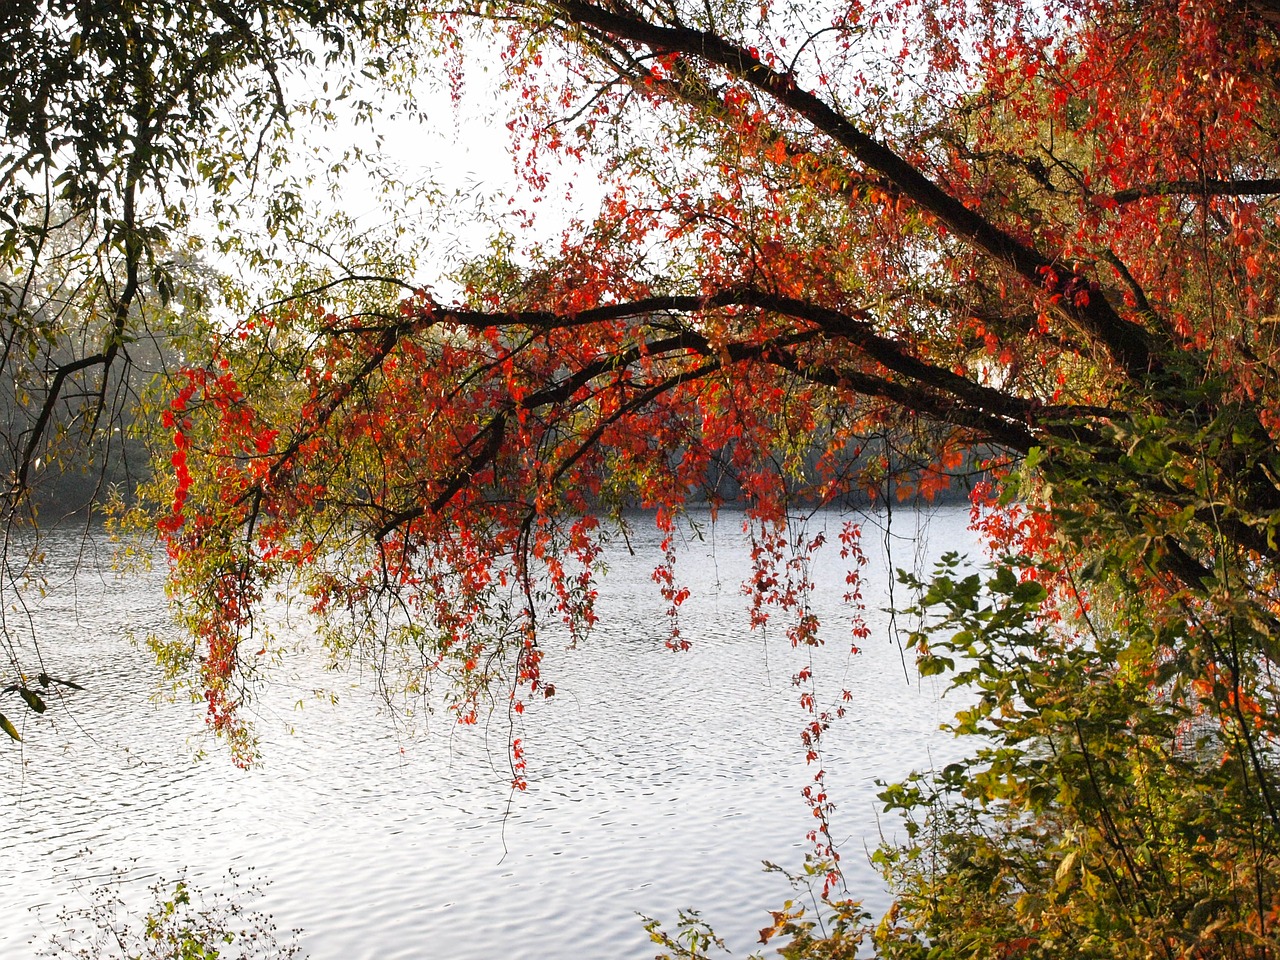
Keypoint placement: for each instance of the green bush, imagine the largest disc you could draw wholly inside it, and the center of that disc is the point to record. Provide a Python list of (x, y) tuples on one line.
[(1120, 803)]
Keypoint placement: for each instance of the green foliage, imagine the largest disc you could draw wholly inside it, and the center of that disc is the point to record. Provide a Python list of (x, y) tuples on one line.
[(135, 132), (691, 941), (828, 929), (1114, 808), (138, 140)]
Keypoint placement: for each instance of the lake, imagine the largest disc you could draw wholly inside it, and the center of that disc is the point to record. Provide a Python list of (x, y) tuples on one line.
[(657, 780)]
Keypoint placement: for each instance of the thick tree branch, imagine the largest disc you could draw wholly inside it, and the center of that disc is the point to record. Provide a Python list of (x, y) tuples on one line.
[(928, 390), (1200, 188), (37, 431), (1129, 345)]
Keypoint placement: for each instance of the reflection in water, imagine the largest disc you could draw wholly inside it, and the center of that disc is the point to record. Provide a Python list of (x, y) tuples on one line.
[(656, 780)]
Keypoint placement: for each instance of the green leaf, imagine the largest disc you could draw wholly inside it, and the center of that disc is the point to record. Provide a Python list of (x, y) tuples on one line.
[(932, 666), (45, 680), (1005, 581), (32, 699), (1030, 593), (9, 728)]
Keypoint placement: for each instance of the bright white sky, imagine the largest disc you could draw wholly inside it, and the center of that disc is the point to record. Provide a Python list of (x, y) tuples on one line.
[(460, 163)]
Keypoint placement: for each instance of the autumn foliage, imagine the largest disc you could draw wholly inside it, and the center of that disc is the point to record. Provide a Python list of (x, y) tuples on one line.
[(845, 251)]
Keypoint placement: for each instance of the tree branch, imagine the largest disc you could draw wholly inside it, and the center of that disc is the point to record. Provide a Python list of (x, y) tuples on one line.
[(1199, 188), (1129, 345)]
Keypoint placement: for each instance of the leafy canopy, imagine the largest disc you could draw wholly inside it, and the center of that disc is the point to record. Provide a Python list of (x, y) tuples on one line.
[(135, 136), (841, 248)]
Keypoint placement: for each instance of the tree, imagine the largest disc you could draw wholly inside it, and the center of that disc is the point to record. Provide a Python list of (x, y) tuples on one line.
[(890, 233), (127, 123)]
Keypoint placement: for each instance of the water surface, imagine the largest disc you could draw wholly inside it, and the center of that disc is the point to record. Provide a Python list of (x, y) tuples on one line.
[(656, 780)]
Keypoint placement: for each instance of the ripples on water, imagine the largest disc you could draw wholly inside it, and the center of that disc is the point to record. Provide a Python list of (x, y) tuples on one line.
[(656, 780)]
